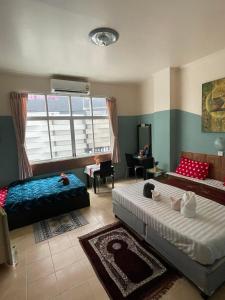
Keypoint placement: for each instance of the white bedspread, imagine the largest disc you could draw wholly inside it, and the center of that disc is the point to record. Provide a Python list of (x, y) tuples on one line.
[(202, 238)]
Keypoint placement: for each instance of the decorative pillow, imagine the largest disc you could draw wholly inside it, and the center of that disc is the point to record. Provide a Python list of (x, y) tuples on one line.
[(3, 194), (193, 168)]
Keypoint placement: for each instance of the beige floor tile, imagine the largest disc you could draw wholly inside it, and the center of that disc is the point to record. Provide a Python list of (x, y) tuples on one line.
[(25, 242), (59, 269), (59, 243), (97, 289), (37, 252), (219, 294), (79, 252), (81, 292), (72, 275), (21, 232), (182, 290), (88, 267), (15, 290), (43, 289), (84, 230), (39, 269), (73, 239), (89, 215), (106, 218), (12, 282), (66, 257)]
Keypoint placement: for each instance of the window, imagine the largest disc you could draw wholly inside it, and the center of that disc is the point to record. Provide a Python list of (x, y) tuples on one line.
[(61, 126)]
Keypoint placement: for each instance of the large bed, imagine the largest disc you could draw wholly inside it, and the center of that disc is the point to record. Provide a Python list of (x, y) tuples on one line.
[(32, 200), (195, 246)]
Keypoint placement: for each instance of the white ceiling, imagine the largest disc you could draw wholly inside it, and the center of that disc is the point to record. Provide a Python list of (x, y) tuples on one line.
[(48, 37)]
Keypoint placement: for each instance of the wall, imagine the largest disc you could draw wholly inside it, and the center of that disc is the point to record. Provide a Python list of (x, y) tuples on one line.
[(190, 80), (171, 100), (126, 95), (155, 106)]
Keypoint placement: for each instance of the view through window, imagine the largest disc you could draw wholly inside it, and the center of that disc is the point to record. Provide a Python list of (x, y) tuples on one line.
[(62, 126)]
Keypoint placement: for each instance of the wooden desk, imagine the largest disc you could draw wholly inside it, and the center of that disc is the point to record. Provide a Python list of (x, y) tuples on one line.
[(89, 171), (145, 162)]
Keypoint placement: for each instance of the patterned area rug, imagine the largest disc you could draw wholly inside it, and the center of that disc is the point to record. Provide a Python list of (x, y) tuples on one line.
[(49, 228), (127, 267)]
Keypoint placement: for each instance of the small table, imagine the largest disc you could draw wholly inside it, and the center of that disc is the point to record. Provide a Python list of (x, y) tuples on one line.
[(155, 172), (89, 171)]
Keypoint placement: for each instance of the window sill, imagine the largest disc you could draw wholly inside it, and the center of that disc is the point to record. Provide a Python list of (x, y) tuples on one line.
[(66, 164)]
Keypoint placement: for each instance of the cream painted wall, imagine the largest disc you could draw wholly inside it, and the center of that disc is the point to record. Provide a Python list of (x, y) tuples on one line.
[(9, 83), (174, 87), (155, 93), (126, 94), (193, 75), (161, 90), (181, 88), (146, 97)]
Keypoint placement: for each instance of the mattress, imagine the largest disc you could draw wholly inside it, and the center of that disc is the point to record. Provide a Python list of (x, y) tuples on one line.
[(29, 194), (202, 238)]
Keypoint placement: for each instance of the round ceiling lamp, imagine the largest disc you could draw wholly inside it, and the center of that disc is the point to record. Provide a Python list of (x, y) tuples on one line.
[(103, 36)]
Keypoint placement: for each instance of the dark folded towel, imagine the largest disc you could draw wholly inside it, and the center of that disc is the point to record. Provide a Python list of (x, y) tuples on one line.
[(148, 188)]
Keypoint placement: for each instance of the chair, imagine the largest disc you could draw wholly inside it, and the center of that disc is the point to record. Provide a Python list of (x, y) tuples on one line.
[(147, 163), (106, 170), (130, 163)]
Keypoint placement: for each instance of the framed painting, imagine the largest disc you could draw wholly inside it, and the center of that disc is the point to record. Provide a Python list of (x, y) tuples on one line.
[(213, 106)]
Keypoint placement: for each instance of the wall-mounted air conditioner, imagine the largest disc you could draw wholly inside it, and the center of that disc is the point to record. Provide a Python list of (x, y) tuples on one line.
[(70, 87)]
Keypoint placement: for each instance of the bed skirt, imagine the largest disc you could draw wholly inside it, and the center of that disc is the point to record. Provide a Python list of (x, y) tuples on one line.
[(50, 209)]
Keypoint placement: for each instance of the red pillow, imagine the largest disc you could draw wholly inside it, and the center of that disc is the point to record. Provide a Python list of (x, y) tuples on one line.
[(193, 168), (3, 194)]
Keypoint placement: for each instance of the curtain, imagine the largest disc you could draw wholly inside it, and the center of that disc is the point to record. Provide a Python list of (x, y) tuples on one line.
[(111, 105), (18, 103)]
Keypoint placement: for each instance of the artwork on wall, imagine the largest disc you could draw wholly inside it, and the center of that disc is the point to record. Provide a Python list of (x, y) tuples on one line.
[(213, 106)]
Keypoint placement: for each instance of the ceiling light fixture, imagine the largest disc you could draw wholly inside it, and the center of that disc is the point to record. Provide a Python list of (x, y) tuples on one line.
[(103, 36)]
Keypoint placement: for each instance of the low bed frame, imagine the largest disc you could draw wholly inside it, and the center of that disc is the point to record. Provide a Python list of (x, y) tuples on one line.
[(206, 277)]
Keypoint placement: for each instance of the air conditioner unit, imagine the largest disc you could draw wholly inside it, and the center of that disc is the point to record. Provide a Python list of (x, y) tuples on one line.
[(70, 87)]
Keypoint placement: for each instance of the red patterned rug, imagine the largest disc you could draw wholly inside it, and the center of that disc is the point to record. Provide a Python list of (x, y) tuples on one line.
[(127, 267)]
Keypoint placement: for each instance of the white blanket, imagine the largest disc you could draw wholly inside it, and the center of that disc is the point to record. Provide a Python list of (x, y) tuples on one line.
[(202, 238)]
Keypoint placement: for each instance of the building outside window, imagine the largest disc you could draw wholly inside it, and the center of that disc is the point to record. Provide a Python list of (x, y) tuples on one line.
[(62, 126)]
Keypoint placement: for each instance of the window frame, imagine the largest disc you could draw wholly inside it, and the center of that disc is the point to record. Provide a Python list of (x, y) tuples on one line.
[(71, 118)]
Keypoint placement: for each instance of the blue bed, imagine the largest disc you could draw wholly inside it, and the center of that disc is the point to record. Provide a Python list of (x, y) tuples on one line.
[(32, 200)]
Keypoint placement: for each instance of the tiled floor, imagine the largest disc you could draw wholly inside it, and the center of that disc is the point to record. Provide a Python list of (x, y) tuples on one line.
[(58, 268)]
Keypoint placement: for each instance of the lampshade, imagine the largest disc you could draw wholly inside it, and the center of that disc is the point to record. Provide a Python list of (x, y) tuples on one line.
[(219, 143)]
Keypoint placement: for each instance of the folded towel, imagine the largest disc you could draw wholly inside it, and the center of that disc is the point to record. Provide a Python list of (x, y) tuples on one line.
[(188, 205), (175, 203), (155, 196)]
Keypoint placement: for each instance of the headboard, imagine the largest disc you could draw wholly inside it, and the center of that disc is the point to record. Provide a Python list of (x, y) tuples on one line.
[(216, 163)]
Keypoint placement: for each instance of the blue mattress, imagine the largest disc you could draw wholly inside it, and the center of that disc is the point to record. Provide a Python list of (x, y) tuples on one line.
[(29, 194)]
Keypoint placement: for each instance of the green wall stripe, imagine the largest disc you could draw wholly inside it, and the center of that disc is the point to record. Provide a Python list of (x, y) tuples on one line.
[(173, 131)]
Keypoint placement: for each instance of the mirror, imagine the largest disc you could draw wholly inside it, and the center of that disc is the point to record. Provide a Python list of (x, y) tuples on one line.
[(144, 137)]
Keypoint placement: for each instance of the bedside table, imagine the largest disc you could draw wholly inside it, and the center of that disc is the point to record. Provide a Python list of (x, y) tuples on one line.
[(155, 172)]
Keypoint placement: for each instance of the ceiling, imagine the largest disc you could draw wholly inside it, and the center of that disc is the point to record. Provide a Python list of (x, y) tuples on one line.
[(45, 37)]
